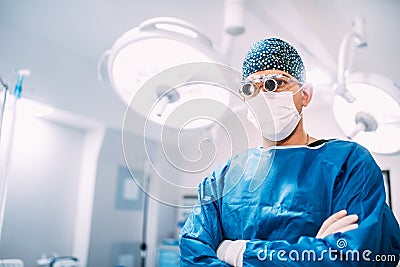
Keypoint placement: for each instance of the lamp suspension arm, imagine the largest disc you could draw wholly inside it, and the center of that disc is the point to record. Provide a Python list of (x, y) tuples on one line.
[(233, 25), (6, 137), (355, 38), (343, 60)]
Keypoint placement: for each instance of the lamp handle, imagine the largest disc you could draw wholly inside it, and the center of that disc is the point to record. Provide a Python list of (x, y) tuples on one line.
[(174, 26), (102, 69)]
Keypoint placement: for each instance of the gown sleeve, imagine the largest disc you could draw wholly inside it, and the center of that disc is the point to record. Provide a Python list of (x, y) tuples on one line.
[(202, 232), (358, 189)]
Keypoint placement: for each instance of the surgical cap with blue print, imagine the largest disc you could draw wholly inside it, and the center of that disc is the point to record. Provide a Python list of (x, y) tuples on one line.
[(273, 54)]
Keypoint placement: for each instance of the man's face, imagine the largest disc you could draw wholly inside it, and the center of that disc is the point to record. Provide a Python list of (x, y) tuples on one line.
[(292, 87)]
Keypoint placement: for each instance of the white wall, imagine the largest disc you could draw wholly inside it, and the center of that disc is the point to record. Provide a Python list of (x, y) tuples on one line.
[(110, 225), (83, 219), (42, 188)]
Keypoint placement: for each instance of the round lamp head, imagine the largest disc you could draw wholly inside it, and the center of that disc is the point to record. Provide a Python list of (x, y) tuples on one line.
[(154, 46), (375, 112)]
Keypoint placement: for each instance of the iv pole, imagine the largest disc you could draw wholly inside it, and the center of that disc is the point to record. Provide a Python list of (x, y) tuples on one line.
[(7, 120), (146, 183), (3, 101)]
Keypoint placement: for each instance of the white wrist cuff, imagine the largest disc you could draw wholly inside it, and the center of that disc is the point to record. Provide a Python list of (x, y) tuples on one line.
[(231, 252)]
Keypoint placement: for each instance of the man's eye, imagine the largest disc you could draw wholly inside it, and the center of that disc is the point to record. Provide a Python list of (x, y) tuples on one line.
[(280, 82)]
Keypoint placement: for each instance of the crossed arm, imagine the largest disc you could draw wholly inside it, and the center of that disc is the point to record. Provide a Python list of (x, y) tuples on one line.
[(231, 252)]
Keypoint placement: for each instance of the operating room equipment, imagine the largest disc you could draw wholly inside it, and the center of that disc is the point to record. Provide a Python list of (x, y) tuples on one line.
[(126, 66), (8, 108), (3, 97), (166, 96), (366, 105), (373, 119), (364, 122), (11, 263), (146, 184), (355, 38), (57, 261)]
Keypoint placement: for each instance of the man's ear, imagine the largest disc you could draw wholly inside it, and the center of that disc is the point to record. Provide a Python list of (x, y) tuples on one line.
[(307, 94)]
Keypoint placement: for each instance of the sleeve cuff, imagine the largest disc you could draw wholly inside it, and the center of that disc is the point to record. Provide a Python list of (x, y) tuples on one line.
[(231, 252)]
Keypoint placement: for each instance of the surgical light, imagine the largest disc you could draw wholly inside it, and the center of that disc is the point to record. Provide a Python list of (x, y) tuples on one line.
[(373, 118), (154, 46), (366, 105)]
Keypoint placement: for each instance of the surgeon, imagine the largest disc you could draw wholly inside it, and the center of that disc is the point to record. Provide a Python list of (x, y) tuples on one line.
[(296, 201)]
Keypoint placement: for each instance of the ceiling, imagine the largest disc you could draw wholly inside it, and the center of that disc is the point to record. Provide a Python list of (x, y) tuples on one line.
[(62, 41)]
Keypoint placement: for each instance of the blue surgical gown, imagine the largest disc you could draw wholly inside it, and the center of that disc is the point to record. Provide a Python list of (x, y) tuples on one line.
[(278, 199)]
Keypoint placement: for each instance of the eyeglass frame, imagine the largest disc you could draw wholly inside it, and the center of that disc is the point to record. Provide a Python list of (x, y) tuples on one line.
[(263, 78)]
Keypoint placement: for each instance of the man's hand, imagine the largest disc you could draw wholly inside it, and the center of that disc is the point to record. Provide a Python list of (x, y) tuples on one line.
[(338, 222)]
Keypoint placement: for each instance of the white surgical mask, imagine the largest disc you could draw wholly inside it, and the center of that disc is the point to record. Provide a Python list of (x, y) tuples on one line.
[(274, 113)]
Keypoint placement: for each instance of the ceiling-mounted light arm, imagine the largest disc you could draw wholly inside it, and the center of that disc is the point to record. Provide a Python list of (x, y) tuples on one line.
[(360, 37), (234, 17), (355, 38), (234, 11)]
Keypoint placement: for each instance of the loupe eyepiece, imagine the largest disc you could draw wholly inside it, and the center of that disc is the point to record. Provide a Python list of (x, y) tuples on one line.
[(270, 85), (248, 90)]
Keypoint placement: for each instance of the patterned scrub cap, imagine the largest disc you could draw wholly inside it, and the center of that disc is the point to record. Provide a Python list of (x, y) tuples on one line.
[(273, 54)]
